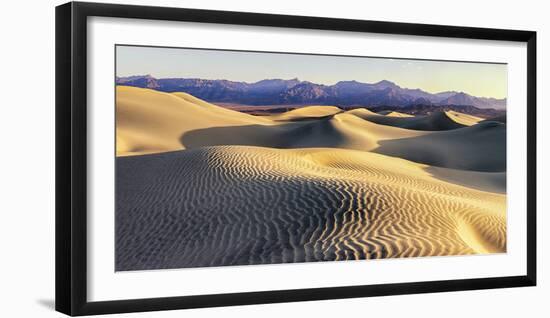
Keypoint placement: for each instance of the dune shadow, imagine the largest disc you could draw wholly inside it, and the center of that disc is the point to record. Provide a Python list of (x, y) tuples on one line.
[(436, 121), (285, 134), (312, 133), (500, 119), (306, 119), (481, 147), (247, 135)]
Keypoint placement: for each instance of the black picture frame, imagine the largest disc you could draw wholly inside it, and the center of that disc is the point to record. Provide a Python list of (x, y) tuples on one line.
[(71, 157)]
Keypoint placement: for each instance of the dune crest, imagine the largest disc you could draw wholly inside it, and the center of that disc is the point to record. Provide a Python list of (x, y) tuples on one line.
[(464, 119), (390, 113), (149, 121), (305, 113)]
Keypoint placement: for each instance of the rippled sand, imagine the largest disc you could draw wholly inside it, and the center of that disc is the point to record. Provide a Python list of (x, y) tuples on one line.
[(198, 185)]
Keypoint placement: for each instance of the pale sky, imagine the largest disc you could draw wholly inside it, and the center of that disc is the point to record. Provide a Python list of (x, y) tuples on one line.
[(478, 79)]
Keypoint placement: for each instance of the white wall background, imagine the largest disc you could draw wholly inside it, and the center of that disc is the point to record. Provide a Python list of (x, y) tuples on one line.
[(27, 158)]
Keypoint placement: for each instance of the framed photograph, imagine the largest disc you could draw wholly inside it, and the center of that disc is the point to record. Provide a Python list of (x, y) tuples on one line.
[(208, 158)]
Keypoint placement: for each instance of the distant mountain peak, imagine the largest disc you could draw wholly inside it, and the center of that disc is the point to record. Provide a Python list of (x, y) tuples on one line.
[(347, 82), (146, 81), (385, 82)]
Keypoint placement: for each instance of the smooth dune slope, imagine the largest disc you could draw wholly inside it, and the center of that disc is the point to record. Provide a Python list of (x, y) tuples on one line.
[(149, 121), (464, 119), (480, 148), (394, 114), (345, 130), (237, 205), (434, 122), (500, 119), (306, 113)]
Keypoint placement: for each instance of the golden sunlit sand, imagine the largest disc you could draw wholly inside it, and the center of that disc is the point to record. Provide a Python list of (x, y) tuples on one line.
[(308, 112), (149, 121), (394, 114), (201, 185)]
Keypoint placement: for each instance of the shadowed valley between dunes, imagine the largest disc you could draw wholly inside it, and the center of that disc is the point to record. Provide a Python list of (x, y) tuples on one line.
[(201, 185)]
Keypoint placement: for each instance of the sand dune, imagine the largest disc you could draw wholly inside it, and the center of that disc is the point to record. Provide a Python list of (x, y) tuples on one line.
[(149, 121), (345, 130), (305, 113), (500, 119), (480, 148), (394, 114), (251, 205), (437, 121), (464, 119)]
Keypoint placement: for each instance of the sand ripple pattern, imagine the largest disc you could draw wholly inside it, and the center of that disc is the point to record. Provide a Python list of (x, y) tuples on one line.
[(240, 205)]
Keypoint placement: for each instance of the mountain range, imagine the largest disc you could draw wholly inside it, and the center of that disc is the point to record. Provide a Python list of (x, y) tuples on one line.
[(296, 92)]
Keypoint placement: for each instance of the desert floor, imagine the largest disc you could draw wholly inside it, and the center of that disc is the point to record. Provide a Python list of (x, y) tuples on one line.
[(201, 185)]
